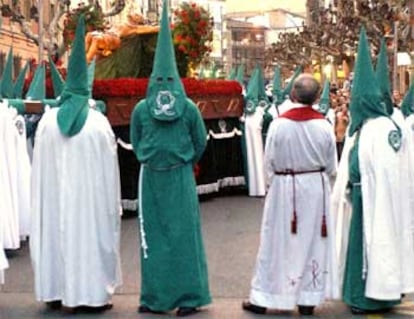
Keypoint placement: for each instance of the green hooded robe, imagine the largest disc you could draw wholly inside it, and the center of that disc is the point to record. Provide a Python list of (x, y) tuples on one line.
[(168, 137)]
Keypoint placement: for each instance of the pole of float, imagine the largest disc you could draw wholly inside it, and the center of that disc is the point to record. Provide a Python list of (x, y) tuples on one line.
[(395, 85), (40, 9)]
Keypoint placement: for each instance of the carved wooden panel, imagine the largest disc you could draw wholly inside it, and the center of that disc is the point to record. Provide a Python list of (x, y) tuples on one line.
[(33, 107), (118, 110)]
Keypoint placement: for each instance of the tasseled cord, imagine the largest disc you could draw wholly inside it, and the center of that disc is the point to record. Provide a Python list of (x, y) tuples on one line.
[(324, 229), (144, 245), (294, 221)]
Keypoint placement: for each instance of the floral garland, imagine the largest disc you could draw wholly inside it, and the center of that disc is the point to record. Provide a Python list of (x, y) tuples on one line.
[(130, 87), (137, 87)]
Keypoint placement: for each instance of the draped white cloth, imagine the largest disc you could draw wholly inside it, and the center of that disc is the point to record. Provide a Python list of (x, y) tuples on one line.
[(14, 178), (341, 207), (409, 126), (76, 204), (386, 184), (3, 260), (297, 269), (398, 116)]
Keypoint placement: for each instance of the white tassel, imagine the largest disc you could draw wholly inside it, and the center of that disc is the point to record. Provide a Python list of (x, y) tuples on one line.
[(364, 255), (144, 244), (124, 145)]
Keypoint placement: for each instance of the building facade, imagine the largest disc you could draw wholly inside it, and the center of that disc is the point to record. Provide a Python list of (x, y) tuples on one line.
[(11, 35)]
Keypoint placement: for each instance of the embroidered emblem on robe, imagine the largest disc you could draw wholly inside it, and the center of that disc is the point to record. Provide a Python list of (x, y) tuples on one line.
[(394, 139), (250, 107), (20, 126), (323, 108), (165, 103), (263, 103)]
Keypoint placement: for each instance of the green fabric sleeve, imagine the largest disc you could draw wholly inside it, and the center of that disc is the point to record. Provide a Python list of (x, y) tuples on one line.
[(135, 126), (198, 133), (18, 104)]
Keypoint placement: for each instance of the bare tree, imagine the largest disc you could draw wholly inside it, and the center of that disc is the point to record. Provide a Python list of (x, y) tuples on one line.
[(332, 33), (51, 39)]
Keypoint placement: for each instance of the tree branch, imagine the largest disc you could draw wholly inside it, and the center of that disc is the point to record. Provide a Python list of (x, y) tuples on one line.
[(116, 9)]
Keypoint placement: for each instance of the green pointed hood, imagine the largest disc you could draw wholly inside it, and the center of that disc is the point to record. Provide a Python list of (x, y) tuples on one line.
[(252, 93), (18, 104), (240, 74), (289, 86), (324, 103), (57, 79), (6, 85), (37, 88), (166, 97), (232, 74), (383, 77), (277, 92), (19, 84), (262, 96), (407, 105), (366, 100), (73, 102)]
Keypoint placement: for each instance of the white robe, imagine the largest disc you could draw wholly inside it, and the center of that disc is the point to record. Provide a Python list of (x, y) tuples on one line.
[(409, 125), (286, 106), (255, 150), (3, 260), (385, 185), (297, 269), (76, 205), (398, 116), (341, 207), (14, 178), (24, 171)]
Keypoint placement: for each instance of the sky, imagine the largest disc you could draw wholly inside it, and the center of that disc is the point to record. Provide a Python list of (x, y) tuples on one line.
[(297, 6)]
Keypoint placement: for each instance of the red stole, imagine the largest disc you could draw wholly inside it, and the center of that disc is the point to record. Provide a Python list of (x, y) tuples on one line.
[(302, 114)]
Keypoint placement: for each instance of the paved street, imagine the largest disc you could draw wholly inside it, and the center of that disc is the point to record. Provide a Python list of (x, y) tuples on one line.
[(231, 226)]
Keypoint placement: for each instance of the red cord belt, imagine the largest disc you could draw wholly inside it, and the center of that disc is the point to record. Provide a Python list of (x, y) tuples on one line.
[(293, 224)]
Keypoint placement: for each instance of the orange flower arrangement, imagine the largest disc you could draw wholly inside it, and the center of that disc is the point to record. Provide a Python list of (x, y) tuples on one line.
[(192, 34)]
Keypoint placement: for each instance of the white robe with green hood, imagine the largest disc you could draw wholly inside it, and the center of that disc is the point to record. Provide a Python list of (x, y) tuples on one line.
[(407, 109), (75, 197), (252, 137), (380, 255), (15, 165)]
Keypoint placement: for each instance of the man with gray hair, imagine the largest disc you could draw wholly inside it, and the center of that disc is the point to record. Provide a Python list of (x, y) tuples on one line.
[(296, 263)]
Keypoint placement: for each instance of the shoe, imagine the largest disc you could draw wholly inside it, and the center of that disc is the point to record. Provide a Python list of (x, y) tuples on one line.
[(186, 311), (146, 309), (69, 310), (306, 310), (246, 305), (360, 311), (54, 305), (88, 309)]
